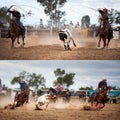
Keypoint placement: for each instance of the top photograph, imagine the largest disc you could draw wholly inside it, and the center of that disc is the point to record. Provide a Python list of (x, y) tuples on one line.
[(60, 30)]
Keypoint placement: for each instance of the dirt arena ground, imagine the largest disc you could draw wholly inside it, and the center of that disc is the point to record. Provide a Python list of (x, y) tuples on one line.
[(40, 46), (60, 111)]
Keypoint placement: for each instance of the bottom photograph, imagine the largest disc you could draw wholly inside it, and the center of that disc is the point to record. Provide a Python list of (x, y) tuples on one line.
[(59, 89)]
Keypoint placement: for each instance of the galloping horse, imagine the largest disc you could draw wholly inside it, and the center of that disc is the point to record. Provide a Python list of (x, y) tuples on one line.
[(104, 33), (22, 98), (15, 32), (62, 94), (101, 98)]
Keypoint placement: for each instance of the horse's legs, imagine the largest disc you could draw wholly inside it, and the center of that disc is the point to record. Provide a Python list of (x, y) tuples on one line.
[(104, 41), (13, 40), (98, 45), (92, 100), (15, 99), (23, 40), (18, 40), (102, 106), (108, 43)]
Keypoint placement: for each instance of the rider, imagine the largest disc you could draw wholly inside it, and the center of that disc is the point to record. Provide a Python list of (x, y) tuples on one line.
[(23, 85), (104, 14), (101, 86), (59, 88), (15, 13)]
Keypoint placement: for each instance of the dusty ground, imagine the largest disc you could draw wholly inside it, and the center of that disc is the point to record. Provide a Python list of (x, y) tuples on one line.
[(61, 111), (40, 46)]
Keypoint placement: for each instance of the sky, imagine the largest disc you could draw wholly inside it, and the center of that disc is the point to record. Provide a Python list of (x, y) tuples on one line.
[(87, 72), (75, 9)]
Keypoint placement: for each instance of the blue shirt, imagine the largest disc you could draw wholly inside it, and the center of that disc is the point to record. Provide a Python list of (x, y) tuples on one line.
[(23, 86)]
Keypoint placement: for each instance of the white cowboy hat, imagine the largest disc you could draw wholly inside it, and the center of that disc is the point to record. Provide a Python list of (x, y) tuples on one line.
[(24, 81), (104, 79), (14, 9)]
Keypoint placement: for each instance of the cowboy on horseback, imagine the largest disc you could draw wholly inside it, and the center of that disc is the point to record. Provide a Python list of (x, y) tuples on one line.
[(104, 15), (101, 86), (23, 86), (17, 15)]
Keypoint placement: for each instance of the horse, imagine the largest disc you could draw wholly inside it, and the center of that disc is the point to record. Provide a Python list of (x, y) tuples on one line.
[(104, 33), (65, 36), (58, 94), (16, 32), (82, 96), (101, 98), (22, 98)]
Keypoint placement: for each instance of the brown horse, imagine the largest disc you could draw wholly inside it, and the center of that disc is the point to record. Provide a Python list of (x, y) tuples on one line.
[(22, 98), (62, 94), (101, 98), (104, 33), (15, 32)]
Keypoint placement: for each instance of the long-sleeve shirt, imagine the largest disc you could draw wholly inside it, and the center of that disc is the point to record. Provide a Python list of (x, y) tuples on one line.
[(23, 85), (102, 85), (15, 14), (105, 15)]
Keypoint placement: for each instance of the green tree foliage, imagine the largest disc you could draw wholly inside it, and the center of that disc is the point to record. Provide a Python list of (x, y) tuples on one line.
[(66, 79), (51, 8), (34, 80), (114, 16), (59, 72), (4, 17), (22, 75), (85, 21)]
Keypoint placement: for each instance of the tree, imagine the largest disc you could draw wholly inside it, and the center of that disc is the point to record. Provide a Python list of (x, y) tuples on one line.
[(114, 16), (85, 21), (36, 80), (51, 9), (33, 79), (4, 18), (86, 88), (22, 75), (66, 79)]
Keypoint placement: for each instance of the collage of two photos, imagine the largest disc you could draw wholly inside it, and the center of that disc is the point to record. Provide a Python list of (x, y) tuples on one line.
[(59, 59)]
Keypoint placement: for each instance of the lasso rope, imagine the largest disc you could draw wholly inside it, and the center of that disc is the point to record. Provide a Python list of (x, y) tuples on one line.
[(28, 13)]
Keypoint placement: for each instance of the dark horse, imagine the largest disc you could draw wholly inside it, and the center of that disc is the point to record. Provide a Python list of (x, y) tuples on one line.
[(22, 98), (16, 32), (104, 33), (101, 98), (62, 94)]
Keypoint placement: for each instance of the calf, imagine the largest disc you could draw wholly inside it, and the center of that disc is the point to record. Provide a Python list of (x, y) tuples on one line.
[(66, 36), (44, 100)]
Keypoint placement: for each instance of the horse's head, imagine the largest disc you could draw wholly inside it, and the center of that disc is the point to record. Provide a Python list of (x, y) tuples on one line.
[(12, 21), (106, 91)]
